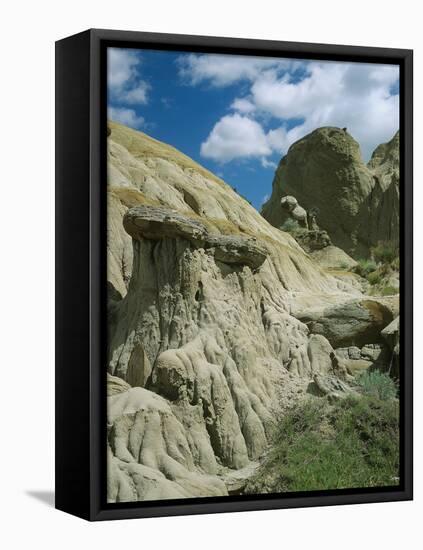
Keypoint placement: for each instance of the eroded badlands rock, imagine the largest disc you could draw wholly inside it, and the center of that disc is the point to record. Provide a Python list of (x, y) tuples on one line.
[(357, 204), (208, 325)]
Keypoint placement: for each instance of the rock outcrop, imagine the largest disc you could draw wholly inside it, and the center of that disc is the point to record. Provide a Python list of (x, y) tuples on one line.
[(156, 223), (149, 454), (354, 322), (357, 204), (209, 325)]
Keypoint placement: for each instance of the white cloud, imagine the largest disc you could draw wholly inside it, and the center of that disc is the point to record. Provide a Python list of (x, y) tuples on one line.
[(278, 140), (125, 116), (296, 97), (224, 70), (239, 136), (351, 95), (121, 67), (124, 78), (235, 136), (243, 105), (136, 95), (268, 163)]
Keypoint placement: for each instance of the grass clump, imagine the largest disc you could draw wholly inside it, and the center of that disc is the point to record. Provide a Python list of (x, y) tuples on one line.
[(377, 384), (351, 443), (385, 252), (374, 278), (293, 227), (389, 291), (378, 270), (364, 267), (290, 226)]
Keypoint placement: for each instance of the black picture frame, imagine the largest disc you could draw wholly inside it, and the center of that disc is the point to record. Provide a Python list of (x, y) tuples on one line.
[(81, 271)]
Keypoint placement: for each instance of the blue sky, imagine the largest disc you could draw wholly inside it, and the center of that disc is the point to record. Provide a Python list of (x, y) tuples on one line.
[(238, 115)]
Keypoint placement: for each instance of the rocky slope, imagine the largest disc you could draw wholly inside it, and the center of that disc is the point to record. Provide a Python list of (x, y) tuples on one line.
[(357, 204), (217, 319)]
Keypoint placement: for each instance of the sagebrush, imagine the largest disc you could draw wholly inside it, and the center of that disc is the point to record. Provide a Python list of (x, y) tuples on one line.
[(351, 443)]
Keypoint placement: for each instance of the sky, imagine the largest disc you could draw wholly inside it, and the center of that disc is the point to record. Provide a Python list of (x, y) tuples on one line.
[(238, 115)]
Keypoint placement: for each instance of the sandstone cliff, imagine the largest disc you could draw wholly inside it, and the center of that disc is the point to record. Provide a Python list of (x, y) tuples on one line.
[(215, 322), (357, 204)]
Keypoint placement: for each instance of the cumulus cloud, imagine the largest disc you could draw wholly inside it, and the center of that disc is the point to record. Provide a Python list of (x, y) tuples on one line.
[(294, 98), (243, 105), (125, 116), (279, 140), (351, 95), (235, 136), (136, 95), (224, 70), (121, 67), (123, 76), (240, 136)]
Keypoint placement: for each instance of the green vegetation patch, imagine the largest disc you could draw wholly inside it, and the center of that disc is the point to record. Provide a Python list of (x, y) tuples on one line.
[(377, 384), (365, 267), (379, 269), (385, 252), (293, 227), (351, 443)]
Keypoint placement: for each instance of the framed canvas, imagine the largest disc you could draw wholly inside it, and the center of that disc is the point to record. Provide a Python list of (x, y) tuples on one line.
[(233, 274)]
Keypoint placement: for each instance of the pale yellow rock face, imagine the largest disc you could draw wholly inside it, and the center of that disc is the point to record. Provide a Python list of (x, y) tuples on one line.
[(207, 338), (357, 204), (150, 456), (147, 172), (332, 257)]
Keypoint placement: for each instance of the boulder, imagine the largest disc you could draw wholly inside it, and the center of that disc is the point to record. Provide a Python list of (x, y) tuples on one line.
[(371, 352), (116, 385), (296, 212), (354, 322), (332, 387), (289, 203), (357, 366), (352, 352)]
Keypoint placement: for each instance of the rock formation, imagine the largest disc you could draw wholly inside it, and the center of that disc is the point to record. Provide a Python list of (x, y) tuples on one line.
[(357, 204), (215, 318)]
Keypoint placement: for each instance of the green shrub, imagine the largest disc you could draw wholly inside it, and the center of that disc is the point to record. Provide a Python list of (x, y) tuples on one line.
[(374, 278), (377, 384), (317, 446), (385, 252), (389, 291), (290, 226), (364, 267)]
